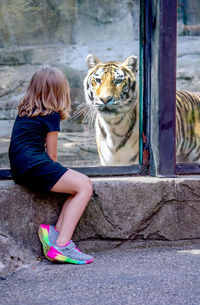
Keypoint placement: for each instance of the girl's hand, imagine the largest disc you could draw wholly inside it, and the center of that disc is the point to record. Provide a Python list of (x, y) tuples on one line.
[(52, 144)]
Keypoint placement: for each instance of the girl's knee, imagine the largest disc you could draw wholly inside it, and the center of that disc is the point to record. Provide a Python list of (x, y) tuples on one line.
[(88, 187)]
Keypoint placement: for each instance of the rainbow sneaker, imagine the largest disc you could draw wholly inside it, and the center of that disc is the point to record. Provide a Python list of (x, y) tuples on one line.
[(68, 254), (47, 235)]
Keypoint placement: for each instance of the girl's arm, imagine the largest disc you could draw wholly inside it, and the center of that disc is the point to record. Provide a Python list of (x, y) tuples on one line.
[(52, 144)]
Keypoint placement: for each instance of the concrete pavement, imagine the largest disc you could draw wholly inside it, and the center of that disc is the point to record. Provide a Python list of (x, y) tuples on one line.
[(141, 276)]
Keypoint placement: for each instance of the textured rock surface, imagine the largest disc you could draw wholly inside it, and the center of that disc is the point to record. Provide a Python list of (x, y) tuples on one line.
[(12, 255), (69, 21), (123, 211)]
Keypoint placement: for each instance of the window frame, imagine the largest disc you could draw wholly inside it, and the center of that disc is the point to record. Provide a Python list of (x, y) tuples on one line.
[(162, 78)]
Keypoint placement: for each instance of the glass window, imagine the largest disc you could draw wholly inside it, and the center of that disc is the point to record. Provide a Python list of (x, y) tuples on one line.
[(62, 34), (188, 82)]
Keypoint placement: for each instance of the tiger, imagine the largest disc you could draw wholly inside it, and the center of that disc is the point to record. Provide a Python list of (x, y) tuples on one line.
[(112, 95), (187, 127), (111, 91)]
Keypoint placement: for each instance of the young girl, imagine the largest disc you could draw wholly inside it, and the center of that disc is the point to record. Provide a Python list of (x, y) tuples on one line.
[(33, 160)]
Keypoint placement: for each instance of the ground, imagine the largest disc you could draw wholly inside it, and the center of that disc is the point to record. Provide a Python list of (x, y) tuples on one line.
[(143, 276)]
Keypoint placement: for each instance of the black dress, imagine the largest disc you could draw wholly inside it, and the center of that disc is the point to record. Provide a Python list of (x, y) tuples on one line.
[(30, 164)]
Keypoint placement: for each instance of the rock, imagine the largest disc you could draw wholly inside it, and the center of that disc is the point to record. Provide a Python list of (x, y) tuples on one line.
[(123, 212), (67, 22), (179, 218), (104, 21), (122, 209), (16, 56), (12, 255), (192, 30), (188, 69)]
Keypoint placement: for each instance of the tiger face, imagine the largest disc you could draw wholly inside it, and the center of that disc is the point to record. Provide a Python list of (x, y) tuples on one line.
[(111, 87)]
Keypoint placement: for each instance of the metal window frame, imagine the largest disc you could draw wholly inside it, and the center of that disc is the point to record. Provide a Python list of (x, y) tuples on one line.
[(162, 96), (161, 36), (158, 29)]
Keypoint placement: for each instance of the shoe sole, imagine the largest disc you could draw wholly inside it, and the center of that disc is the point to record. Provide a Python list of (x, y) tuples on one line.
[(55, 255), (44, 239)]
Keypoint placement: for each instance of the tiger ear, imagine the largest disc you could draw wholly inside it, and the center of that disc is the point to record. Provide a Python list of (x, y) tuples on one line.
[(92, 61), (131, 63)]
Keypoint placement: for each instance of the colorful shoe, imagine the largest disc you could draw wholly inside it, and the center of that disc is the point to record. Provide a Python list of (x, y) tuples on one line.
[(68, 254), (47, 235)]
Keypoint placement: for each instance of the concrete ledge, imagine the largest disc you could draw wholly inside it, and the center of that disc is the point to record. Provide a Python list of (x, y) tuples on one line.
[(122, 210)]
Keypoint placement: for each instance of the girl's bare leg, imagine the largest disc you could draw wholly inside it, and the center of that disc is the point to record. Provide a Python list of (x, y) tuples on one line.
[(80, 186), (60, 218)]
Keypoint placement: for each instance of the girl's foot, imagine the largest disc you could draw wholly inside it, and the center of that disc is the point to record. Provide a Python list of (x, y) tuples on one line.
[(68, 254), (47, 235)]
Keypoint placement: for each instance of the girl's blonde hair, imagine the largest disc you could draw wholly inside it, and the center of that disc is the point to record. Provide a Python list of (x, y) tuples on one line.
[(48, 91)]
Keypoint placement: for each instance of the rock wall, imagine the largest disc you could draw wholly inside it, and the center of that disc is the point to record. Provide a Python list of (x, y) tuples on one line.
[(26, 23), (131, 208), (122, 211)]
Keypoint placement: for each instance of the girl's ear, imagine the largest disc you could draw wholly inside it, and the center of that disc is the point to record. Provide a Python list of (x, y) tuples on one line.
[(92, 61), (131, 63)]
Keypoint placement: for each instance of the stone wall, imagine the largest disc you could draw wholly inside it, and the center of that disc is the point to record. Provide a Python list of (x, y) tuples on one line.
[(25, 23), (122, 211)]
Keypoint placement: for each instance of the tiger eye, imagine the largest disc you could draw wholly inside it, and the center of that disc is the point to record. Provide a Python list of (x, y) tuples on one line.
[(98, 80), (118, 81)]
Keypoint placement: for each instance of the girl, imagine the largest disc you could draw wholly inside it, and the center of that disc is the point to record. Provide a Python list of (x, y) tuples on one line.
[(33, 160)]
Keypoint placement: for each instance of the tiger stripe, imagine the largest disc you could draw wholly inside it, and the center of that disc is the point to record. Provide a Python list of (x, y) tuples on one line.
[(187, 127), (112, 93)]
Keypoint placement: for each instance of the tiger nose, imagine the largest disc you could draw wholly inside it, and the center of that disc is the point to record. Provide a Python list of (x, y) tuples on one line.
[(107, 99)]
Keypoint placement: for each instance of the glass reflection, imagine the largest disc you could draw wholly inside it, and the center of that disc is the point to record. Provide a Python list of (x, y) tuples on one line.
[(62, 34), (188, 79)]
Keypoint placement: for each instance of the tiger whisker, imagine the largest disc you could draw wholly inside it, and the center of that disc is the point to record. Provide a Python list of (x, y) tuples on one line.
[(75, 116), (82, 106), (81, 109), (89, 117), (92, 117), (90, 120), (85, 119)]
